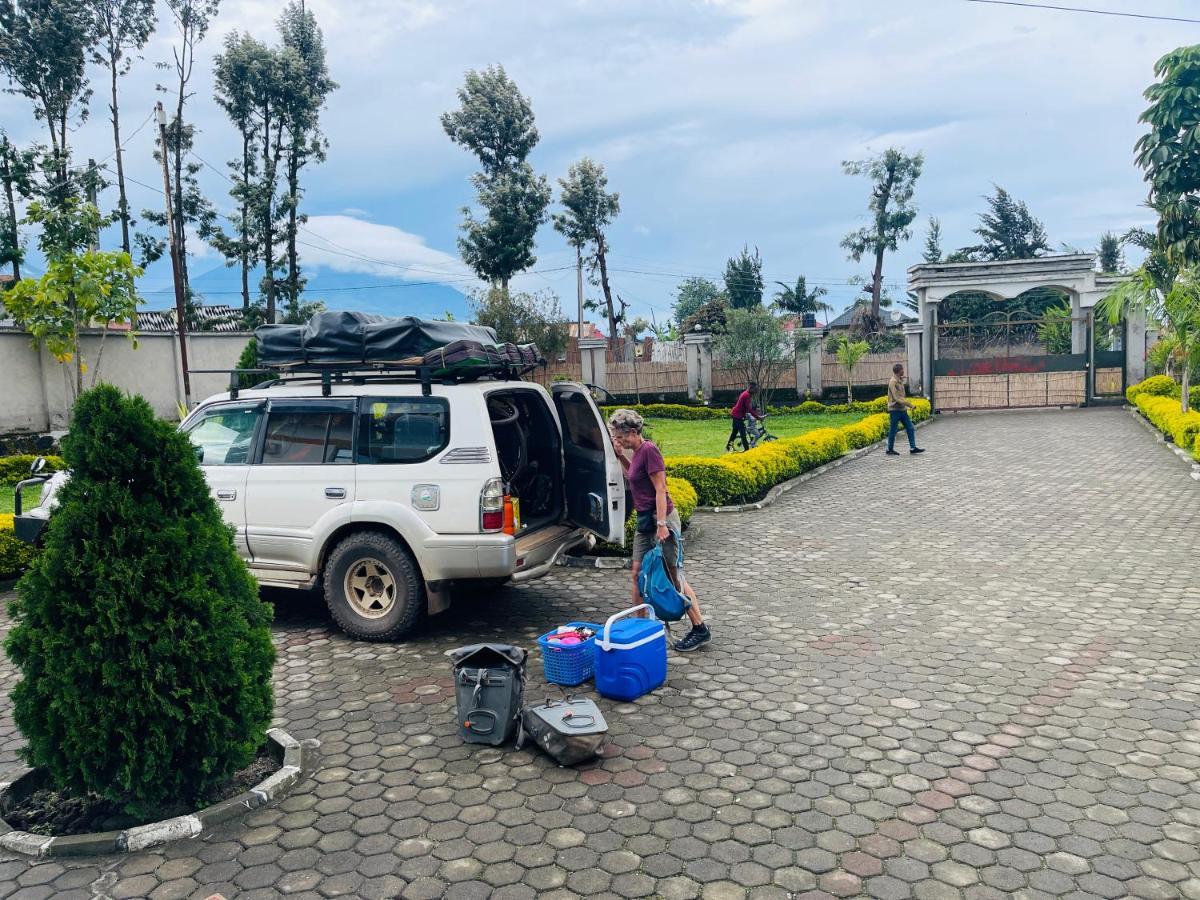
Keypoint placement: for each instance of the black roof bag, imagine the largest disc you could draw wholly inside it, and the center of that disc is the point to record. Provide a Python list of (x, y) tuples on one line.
[(353, 338)]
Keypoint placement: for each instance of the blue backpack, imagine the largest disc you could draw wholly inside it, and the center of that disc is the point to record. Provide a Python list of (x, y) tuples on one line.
[(657, 586)]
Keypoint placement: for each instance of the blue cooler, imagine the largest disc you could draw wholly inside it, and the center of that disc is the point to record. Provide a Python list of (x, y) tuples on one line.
[(631, 655)]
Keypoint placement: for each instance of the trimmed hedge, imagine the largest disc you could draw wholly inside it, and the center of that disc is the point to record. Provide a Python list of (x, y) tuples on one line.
[(709, 413), (16, 468), (1162, 386), (1165, 415), (743, 477), (683, 495), (15, 554)]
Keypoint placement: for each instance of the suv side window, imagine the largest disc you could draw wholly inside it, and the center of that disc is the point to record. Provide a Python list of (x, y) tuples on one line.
[(309, 433), (223, 435), (580, 422), (402, 429)]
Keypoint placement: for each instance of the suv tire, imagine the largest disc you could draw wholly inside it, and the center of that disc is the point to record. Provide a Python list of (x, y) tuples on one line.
[(372, 587)]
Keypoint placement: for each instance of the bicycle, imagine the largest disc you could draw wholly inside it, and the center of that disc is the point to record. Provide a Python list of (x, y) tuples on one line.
[(756, 435)]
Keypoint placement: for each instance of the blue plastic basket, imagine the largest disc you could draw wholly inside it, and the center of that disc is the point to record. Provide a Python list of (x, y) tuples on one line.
[(572, 665)]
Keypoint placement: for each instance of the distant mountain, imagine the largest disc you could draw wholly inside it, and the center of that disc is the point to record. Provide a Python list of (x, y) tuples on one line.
[(337, 290)]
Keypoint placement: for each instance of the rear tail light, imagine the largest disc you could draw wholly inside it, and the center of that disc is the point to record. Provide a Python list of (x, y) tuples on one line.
[(491, 506)]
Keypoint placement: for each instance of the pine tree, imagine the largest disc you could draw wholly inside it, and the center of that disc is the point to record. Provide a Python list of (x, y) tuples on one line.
[(743, 280), (144, 650), (1008, 230), (933, 242)]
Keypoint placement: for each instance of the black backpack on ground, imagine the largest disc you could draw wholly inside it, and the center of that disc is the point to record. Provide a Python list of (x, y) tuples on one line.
[(489, 687)]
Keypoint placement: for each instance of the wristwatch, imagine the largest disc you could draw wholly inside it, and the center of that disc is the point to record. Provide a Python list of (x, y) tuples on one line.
[(661, 524)]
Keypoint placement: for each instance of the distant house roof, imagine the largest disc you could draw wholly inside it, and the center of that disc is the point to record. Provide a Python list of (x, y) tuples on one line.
[(589, 330), (892, 318), (6, 279), (212, 318)]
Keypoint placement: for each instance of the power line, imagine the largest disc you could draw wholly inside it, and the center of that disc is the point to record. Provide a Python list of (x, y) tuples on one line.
[(1087, 10)]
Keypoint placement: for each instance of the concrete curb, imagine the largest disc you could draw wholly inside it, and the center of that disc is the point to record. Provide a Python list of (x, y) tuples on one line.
[(783, 487), (299, 761), (1162, 439)]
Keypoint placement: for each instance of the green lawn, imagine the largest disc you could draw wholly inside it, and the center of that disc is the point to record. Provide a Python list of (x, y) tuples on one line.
[(6, 499), (707, 438)]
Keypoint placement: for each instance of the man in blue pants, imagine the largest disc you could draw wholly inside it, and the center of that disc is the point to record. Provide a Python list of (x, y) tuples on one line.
[(898, 407)]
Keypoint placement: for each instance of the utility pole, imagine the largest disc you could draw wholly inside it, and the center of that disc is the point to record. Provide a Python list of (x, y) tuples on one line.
[(579, 294), (176, 267)]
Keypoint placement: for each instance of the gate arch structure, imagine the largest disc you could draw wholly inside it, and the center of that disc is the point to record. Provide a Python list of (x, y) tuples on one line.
[(1019, 333)]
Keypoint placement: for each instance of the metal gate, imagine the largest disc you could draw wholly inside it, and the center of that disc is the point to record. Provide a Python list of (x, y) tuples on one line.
[(1011, 360), (1108, 361)]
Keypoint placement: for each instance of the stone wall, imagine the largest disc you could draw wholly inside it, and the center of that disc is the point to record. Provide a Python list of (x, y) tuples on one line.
[(36, 389)]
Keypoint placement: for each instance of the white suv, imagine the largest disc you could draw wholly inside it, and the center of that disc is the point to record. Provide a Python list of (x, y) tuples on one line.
[(389, 493)]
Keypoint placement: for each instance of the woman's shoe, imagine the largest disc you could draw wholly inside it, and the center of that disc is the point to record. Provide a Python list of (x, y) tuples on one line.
[(694, 639)]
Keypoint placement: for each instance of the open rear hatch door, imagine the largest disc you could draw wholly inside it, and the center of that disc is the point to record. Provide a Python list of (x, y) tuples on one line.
[(594, 482)]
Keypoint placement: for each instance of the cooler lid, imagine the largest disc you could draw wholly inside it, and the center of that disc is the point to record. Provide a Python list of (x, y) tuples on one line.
[(626, 631), (576, 716)]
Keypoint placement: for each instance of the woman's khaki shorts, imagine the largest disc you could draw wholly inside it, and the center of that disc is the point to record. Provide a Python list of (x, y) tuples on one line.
[(642, 543)]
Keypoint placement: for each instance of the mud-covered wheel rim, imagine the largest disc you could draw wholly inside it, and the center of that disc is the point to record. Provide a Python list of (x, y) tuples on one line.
[(370, 588)]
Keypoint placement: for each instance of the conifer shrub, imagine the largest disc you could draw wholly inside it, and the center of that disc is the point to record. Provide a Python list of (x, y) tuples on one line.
[(144, 650)]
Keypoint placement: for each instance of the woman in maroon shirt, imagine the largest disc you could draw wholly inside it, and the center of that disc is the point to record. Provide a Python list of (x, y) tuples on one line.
[(658, 521)]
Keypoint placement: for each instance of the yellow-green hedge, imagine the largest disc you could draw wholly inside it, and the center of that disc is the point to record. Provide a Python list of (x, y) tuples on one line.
[(1162, 386), (1154, 386), (16, 468), (15, 554), (1165, 415), (740, 477), (710, 413), (683, 495)]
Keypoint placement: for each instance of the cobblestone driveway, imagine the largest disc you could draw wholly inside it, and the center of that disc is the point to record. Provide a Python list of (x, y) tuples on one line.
[(970, 674)]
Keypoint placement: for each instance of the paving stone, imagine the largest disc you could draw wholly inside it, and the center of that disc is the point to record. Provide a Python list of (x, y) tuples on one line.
[(989, 692)]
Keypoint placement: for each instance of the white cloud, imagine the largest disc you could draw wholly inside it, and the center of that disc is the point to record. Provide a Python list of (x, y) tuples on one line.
[(348, 244), (721, 122)]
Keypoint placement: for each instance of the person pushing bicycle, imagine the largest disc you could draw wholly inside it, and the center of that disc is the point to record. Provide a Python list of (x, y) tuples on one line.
[(743, 408)]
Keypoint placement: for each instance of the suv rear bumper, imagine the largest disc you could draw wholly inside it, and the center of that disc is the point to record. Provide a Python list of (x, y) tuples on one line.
[(453, 557), (470, 556)]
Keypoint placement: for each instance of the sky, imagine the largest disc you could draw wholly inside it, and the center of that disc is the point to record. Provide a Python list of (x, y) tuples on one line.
[(721, 123)]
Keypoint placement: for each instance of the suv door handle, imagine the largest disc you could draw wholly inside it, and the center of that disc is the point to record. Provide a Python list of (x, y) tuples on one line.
[(335, 493), (227, 494)]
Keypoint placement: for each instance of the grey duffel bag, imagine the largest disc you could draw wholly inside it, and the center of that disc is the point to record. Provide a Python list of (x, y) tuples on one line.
[(571, 731)]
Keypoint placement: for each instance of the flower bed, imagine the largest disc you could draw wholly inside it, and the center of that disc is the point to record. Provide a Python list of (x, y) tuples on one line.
[(1165, 415), (15, 554), (745, 477), (1157, 399), (1161, 386)]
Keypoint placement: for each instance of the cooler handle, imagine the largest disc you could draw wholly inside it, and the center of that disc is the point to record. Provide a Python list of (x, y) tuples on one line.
[(605, 642)]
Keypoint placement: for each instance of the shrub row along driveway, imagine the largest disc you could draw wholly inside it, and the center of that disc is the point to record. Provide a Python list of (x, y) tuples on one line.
[(969, 674)]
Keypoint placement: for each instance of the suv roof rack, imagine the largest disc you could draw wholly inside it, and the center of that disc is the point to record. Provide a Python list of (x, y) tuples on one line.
[(361, 373)]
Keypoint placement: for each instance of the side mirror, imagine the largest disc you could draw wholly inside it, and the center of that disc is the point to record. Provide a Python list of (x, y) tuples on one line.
[(38, 466)]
